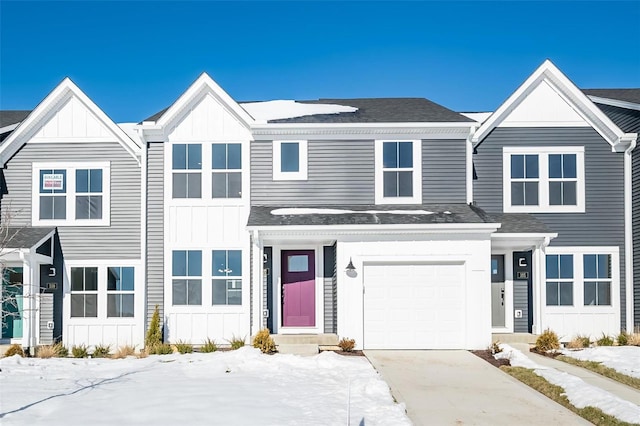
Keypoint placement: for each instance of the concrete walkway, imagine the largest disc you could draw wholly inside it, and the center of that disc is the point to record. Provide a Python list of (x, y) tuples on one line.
[(458, 388), (616, 388)]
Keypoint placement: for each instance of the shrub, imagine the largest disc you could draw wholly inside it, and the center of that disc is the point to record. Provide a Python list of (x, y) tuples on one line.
[(623, 339), (79, 351), (495, 348), (605, 340), (154, 333), (264, 342), (101, 351), (209, 346), (52, 351), (547, 341), (161, 349), (634, 339), (125, 351), (579, 342), (184, 348), (236, 342), (14, 350), (347, 345)]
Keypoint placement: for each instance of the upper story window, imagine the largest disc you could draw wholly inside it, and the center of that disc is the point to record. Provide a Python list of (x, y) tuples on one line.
[(289, 160), (71, 195), (546, 179), (398, 172), (226, 163), (187, 166)]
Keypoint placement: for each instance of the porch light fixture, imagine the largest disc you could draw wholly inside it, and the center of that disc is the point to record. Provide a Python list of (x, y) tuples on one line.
[(350, 267)]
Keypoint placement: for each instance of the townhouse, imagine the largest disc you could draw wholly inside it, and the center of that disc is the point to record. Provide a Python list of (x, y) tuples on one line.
[(397, 222)]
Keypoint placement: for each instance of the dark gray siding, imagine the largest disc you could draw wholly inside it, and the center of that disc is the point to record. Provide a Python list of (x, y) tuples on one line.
[(444, 171), (155, 229), (330, 303), (120, 240), (603, 222), (521, 302), (635, 177)]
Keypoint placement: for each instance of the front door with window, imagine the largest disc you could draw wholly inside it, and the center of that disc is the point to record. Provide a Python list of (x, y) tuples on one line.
[(12, 303), (298, 288)]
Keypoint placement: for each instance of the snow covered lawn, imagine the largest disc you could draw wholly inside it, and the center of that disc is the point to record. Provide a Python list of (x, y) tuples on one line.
[(623, 359), (578, 392), (242, 387)]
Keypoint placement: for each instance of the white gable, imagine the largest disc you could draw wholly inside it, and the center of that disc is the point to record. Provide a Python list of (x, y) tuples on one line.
[(208, 119), (70, 120), (544, 106)]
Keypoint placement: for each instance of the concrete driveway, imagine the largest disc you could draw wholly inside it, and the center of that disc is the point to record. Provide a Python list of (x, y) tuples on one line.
[(458, 388)]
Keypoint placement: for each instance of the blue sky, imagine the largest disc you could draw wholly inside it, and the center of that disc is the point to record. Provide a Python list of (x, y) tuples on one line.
[(135, 58)]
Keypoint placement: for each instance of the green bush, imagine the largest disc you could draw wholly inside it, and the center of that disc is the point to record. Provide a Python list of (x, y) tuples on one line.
[(161, 349), (236, 342), (52, 351), (209, 346), (605, 340), (495, 348), (154, 333), (547, 341), (101, 351), (579, 342), (14, 350), (184, 348), (79, 351), (623, 339), (264, 342), (347, 345)]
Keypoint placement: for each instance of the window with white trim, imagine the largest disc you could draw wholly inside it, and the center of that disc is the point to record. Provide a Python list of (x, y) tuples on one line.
[(84, 292), (559, 280), (227, 277), (187, 165), (186, 277), (544, 179), (120, 291), (597, 279), (226, 163), (290, 160), (76, 194), (398, 172)]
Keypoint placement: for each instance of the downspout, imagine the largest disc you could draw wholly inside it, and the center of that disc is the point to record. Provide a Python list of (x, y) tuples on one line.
[(537, 285), (628, 232), (143, 227)]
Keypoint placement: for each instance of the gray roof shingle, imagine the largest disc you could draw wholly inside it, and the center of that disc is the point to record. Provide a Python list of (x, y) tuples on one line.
[(519, 223), (9, 117), (25, 237), (625, 95)]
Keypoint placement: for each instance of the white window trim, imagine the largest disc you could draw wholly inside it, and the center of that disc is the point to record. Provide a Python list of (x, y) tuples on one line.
[(578, 279), (228, 200), (417, 174), (543, 179), (301, 174), (71, 168), (227, 277)]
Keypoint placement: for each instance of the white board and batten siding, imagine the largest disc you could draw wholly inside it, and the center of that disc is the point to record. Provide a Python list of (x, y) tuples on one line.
[(431, 292), (206, 224)]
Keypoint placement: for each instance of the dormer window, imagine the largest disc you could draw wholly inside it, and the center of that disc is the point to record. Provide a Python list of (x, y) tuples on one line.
[(398, 172)]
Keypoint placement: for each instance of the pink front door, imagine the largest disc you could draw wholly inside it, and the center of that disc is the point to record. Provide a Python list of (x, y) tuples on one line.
[(298, 288)]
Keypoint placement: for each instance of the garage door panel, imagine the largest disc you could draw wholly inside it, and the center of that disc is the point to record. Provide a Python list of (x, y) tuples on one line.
[(418, 306)]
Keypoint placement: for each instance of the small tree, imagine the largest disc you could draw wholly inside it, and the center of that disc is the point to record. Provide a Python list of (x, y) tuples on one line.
[(154, 333)]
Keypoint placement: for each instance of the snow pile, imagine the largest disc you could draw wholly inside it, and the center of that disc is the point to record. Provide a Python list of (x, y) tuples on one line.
[(623, 359), (235, 388), (579, 393), (281, 109), (294, 211)]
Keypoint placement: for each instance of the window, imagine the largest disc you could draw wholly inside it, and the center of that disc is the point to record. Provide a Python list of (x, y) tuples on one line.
[(398, 172), (84, 292), (186, 183), (545, 179), (227, 273), (559, 280), (597, 279), (120, 288), (89, 194), (227, 170), (71, 195), (289, 160), (187, 277)]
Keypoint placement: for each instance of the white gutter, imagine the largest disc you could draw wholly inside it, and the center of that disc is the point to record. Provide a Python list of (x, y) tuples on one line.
[(422, 125), (628, 235), (614, 102), (435, 228), (143, 222), (9, 128)]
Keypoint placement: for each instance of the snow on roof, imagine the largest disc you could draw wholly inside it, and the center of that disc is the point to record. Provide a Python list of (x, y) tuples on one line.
[(292, 211), (480, 117), (281, 109)]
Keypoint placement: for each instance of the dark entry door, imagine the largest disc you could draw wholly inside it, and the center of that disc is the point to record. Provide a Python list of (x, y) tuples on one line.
[(298, 288)]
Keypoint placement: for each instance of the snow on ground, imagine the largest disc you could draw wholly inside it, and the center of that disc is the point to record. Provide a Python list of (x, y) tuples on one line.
[(291, 211), (623, 359), (579, 393), (242, 387), (279, 109)]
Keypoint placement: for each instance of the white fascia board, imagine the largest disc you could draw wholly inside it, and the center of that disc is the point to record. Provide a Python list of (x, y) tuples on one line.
[(9, 128), (66, 88), (626, 141), (523, 236), (438, 228), (563, 86), (204, 83), (614, 102)]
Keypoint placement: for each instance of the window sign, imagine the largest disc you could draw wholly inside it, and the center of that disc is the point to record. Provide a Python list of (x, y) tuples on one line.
[(53, 181)]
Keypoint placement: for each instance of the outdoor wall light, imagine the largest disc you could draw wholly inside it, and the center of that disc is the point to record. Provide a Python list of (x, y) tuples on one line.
[(350, 267)]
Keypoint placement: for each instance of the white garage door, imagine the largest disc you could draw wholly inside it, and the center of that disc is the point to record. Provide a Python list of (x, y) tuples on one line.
[(414, 306)]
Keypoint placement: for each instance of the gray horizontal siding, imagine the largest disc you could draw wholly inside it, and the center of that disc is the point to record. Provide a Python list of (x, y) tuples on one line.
[(330, 302), (121, 239), (521, 302), (603, 222), (444, 171), (155, 228), (339, 172), (635, 161)]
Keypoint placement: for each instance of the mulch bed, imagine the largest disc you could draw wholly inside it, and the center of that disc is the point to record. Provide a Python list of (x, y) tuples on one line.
[(552, 354), (488, 356)]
